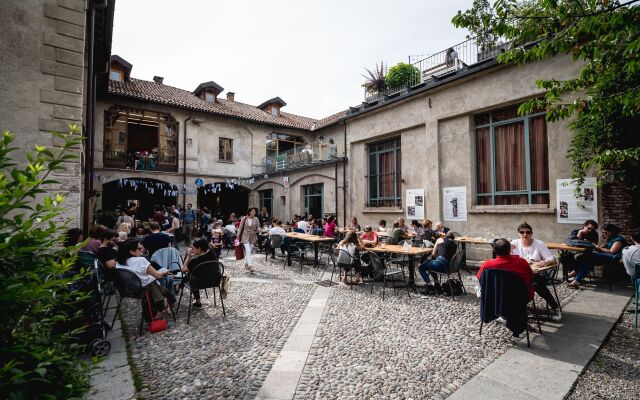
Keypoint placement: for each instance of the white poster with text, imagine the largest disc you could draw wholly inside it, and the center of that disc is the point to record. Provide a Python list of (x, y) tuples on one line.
[(575, 208), (454, 203), (415, 203)]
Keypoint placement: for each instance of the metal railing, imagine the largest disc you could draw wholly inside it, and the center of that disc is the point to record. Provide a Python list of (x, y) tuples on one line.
[(160, 161), (441, 64), (300, 156)]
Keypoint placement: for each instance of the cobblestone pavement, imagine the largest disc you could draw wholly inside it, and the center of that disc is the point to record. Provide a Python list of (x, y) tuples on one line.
[(364, 347), (614, 373)]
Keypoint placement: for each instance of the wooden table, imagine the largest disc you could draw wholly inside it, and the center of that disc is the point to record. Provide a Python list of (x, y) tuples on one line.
[(316, 240), (410, 253)]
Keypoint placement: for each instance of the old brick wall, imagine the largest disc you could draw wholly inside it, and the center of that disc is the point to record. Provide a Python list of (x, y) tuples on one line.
[(617, 208), (42, 43)]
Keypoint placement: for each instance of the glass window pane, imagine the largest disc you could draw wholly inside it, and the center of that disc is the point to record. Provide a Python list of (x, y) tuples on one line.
[(540, 199), (510, 157), (482, 119), (513, 199), (505, 114)]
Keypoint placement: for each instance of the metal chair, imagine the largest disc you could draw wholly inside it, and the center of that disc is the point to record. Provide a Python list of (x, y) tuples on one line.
[(205, 275), (129, 286), (340, 266), (169, 258), (274, 243), (382, 271), (296, 251), (455, 265), (636, 284)]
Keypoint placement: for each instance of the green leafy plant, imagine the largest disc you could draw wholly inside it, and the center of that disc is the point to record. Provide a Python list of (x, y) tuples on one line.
[(479, 20), (38, 356), (375, 80), (402, 74), (603, 99)]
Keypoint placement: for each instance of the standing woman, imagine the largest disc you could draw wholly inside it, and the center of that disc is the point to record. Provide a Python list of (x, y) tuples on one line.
[(249, 227)]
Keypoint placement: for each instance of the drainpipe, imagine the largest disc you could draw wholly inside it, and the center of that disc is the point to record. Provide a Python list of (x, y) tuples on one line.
[(184, 163), (91, 102), (335, 178), (344, 177)]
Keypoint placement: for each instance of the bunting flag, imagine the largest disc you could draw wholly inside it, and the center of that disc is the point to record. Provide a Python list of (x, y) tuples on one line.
[(166, 189)]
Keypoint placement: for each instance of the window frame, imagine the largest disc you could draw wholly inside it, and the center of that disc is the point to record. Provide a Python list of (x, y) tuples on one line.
[(527, 158), (396, 200), (307, 197), (222, 145), (262, 196)]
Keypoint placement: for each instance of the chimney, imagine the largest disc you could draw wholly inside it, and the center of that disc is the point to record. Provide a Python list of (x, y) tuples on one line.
[(231, 96), (158, 79)]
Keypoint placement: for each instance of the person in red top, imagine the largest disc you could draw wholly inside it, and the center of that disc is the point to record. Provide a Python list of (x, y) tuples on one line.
[(512, 263)]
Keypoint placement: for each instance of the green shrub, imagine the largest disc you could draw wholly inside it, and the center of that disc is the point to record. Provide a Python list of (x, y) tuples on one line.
[(402, 74), (38, 358)]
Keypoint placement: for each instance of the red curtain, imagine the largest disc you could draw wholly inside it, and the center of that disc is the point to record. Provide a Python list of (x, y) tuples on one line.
[(539, 159), (483, 157)]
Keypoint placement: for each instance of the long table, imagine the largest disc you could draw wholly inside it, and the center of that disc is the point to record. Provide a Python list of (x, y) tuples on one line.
[(316, 240), (409, 252)]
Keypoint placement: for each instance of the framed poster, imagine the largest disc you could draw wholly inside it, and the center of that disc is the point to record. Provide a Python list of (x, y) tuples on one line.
[(454, 203), (415, 204), (575, 209)]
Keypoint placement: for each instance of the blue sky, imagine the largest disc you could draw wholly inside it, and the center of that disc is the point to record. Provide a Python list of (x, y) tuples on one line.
[(311, 54)]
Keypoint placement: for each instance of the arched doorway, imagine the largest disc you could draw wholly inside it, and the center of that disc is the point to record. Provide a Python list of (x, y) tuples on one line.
[(220, 199), (143, 191)]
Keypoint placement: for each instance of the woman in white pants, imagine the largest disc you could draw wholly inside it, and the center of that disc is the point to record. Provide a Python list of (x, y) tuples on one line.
[(249, 227)]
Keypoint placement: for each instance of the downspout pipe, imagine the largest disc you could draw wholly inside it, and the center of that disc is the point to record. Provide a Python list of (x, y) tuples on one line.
[(335, 178), (344, 177), (184, 163), (89, 134)]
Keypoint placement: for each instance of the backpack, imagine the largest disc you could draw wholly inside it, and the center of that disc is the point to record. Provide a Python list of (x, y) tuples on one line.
[(456, 285)]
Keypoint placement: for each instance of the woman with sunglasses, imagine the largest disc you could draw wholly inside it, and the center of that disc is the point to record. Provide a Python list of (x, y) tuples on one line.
[(538, 255), (130, 258)]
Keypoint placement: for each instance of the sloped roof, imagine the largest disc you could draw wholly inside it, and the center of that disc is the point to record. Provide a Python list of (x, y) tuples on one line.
[(330, 120), (275, 100), (169, 95)]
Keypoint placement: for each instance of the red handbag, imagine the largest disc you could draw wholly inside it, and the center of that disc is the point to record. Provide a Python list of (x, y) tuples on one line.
[(156, 325), (238, 247)]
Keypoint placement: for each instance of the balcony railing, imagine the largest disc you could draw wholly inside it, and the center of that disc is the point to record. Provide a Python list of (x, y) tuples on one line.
[(300, 156), (159, 161), (442, 64)]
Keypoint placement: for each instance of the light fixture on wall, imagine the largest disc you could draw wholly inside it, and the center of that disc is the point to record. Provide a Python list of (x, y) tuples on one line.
[(196, 121)]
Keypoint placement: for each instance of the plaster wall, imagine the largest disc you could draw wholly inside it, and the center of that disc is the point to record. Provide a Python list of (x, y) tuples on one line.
[(438, 148)]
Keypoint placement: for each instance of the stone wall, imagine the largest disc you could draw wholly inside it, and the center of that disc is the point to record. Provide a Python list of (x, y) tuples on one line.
[(617, 208), (42, 80)]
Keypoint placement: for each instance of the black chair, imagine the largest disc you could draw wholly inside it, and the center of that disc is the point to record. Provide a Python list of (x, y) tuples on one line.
[(505, 295), (296, 251), (550, 279), (381, 272), (342, 266), (106, 286), (455, 265), (400, 259), (129, 286), (274, 243), (205, 275)]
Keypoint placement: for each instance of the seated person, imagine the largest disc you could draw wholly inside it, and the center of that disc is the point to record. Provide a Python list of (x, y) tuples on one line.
[(277, 230), (107, 254), (314, 229), (397, 234), (130, 258), (382, 226), (605, 255), (536, 253), (402, 225), (216, 242), (631, 254), (351, 244), (330, 228), (304, 225), (354, 225), (440, 228), (369, 237), (94, 239), (444, 250), (196, 255), (156, 239), (506, 261), (425, 232)]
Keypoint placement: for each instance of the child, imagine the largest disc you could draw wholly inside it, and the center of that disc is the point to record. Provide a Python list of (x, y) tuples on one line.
[(216, 241)]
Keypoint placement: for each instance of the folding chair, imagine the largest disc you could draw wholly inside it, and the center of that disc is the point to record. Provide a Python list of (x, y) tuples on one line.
[(455, 265), (381, 270)]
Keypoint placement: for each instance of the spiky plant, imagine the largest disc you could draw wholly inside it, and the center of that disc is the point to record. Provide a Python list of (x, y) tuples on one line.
[(375, 80)]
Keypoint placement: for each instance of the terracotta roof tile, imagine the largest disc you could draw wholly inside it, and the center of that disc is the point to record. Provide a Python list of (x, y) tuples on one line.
[(169, 95), (330, 120)]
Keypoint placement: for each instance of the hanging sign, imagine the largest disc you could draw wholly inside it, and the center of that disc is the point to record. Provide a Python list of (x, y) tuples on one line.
[(454, 203), (285, 182), (575, 209), (415, 203)]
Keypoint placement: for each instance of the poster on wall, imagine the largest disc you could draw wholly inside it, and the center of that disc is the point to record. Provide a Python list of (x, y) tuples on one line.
[(455, 203), (415, 203), (575, 208)]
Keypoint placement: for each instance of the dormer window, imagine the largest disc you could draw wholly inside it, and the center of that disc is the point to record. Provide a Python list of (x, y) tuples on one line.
[(209, 97), (208, 91), (273, 106), (116, 75), (275, 112)]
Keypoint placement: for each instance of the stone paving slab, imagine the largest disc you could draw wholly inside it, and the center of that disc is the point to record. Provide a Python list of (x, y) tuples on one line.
[(556, 358)]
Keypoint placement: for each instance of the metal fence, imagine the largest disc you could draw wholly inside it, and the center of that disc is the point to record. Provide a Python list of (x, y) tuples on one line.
[(441, 64), (300, 156)]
